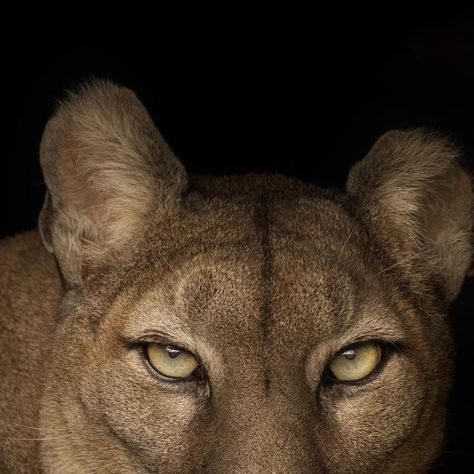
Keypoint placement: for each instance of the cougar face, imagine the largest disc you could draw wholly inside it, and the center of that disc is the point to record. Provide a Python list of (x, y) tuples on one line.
[(239, 324)]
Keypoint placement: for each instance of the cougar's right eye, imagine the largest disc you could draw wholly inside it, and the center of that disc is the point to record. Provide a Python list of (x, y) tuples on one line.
[(171, 361)]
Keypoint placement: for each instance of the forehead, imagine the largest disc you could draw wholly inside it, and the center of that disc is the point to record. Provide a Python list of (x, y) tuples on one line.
[(262, 266)]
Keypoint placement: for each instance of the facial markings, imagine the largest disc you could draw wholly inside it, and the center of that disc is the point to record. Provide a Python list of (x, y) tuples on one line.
[(301, 290), (320, 302)]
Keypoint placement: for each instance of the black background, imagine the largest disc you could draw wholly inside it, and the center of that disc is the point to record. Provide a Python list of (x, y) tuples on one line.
[(307, 102)]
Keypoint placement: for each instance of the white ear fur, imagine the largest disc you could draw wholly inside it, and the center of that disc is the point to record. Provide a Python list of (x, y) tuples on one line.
[(106, 166), (413, 190)]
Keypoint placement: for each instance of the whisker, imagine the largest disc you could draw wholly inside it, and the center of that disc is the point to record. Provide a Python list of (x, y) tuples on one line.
[(344, 245), (165, 261), (36, 428), (10, 438), (400, 262)]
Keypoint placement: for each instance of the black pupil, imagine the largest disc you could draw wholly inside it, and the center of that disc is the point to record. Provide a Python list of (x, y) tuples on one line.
[(172, 351), (349, 354)]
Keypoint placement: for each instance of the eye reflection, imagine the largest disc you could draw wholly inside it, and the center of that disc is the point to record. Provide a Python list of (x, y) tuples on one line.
[(171, 361), (355, 362)]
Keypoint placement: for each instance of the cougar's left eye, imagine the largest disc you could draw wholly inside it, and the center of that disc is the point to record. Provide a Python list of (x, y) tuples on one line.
[(355, 362), (171, 361)]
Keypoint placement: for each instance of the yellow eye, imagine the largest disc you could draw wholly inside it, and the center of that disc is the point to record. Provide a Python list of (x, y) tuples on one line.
[(356, 362), (171, 361)]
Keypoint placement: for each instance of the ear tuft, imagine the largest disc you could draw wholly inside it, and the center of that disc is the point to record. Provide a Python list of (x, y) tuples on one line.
[(415, 194), (106, 167)]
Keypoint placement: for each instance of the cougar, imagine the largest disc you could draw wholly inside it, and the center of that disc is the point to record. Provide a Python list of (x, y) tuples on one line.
[(163, 323)]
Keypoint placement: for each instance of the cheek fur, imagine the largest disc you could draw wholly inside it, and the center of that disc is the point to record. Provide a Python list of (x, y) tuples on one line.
[(374, 419), (159, 426)]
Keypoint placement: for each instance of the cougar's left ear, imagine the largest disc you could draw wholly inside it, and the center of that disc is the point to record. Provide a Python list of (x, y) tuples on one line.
[(418, 199), (107, 168)]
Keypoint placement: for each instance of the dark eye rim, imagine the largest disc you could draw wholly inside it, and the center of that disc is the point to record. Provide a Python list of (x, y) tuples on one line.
[(387, 351), (198, 376)]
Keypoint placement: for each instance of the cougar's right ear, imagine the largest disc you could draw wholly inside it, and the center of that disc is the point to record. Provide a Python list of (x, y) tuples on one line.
[(106, 168)]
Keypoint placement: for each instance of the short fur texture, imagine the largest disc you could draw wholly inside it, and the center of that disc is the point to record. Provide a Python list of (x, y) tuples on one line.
[(263, 277)]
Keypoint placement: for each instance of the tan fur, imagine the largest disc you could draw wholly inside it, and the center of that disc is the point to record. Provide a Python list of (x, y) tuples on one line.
[(263, 277), (411, 181), (96, 199)]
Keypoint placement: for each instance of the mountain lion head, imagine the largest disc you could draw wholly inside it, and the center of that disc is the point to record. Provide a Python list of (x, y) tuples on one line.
[(237, 324)]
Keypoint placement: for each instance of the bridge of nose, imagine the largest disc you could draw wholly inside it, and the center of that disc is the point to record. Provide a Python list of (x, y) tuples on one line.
[(261, 432)]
